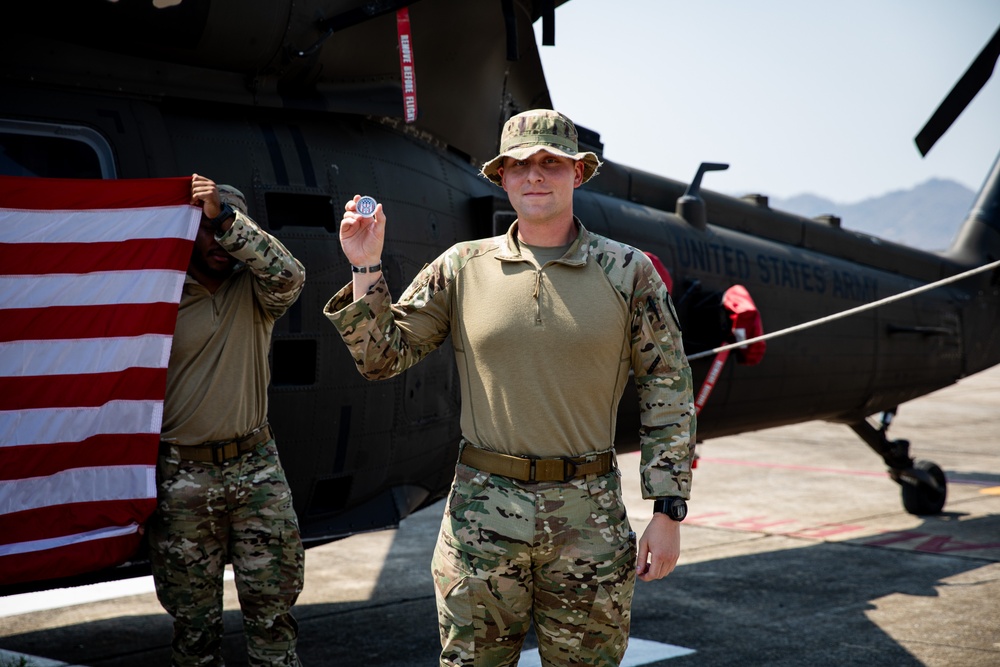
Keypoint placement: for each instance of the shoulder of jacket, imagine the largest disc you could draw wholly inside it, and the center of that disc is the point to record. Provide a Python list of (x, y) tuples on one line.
[(622, 264), (438, 276), (456, 257)]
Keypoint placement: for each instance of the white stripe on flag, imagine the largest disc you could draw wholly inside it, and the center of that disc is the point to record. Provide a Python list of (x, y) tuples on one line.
[(51, 425), (65, 540), (98, 225), (82, 356), (91, 289), (76, 485)]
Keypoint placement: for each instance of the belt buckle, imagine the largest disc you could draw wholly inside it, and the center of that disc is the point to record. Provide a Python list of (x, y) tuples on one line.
[(569, 468), (219, 451)]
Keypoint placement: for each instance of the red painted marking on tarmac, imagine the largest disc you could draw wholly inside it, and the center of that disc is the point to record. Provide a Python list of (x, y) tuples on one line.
[(786, 466), (760, 524), (826, 530), (936, 544), (755, 524), (839, 471), (899, 539)]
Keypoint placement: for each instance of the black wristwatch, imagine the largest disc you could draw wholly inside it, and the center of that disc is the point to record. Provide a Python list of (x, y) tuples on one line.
[(675, 508), (226, 213)]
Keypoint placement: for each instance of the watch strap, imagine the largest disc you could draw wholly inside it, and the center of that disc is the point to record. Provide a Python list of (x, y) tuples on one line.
[(673, 507), (374, 268), (224, 214)]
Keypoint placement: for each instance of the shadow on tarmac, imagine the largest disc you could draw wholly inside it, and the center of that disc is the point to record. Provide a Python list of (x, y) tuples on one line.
[(792, 602)]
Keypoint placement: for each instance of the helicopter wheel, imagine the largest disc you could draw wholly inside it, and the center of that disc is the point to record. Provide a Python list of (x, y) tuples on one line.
[(922, 498)]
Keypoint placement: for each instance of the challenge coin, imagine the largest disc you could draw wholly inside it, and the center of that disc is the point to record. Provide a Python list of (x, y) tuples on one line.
[(366, 206)]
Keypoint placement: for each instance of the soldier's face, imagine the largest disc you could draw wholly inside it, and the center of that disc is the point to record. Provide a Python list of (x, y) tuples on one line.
[(207, 255), (541, 186)]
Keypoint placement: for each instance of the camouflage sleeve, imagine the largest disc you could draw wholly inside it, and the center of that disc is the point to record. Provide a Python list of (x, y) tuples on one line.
[(279, 276), (663, 379), (386, 339)]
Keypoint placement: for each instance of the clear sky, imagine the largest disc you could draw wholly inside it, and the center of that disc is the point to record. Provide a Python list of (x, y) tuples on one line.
[(798, 96)]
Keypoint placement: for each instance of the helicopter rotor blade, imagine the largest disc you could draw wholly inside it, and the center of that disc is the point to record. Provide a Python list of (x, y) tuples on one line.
[(960, 96)]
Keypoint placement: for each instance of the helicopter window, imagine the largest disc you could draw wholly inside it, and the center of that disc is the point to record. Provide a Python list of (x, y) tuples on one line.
[(53, 151), (298, 210)]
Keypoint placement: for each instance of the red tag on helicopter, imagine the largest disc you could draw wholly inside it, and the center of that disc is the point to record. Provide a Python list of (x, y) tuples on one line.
[(406, 68)]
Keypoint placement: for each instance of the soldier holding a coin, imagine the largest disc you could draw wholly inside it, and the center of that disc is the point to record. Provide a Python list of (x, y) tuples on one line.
[(546, 321)]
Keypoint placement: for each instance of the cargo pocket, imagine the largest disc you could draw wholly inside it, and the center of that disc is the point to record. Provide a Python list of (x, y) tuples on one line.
[(466, 490), (611, 615), (483, 606)]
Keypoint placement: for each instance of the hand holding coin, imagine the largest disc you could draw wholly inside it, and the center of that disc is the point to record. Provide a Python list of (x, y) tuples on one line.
[(362, 231)]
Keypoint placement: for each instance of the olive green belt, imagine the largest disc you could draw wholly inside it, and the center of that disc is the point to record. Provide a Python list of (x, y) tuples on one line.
[(220, 451), (527, 469)]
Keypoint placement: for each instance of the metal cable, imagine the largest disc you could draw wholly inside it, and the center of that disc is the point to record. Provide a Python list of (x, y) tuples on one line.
[(852, 311)]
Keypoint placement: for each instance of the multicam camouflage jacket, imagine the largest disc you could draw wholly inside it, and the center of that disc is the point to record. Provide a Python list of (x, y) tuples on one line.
[(279, 276), (459, 292)]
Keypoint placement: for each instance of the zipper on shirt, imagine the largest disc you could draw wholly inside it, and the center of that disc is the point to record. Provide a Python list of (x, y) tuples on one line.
[(215, 309), (538, 300)]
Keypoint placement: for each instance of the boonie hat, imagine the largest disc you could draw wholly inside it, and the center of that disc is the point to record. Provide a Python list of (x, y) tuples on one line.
[(540, 130), (230, 195)]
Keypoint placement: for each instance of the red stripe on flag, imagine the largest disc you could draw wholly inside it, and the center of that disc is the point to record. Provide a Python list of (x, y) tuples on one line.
[(71, 518), (129, 255), (69, 560), (82, 391), (66, 322), (47, 194), (98, 450)]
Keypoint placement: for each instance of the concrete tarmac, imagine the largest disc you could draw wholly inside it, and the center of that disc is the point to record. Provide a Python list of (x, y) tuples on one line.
[(797, 551)]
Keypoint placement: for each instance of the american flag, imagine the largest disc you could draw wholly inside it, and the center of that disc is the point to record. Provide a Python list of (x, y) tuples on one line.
[(90, 277)]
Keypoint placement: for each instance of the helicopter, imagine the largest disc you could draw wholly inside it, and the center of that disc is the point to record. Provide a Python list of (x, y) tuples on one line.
[(302, 104)]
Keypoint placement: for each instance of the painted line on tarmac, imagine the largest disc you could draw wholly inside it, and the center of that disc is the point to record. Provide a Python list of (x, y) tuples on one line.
[(788, 466), (864, 534), (836, 471), (25, 603), (639, 652), (11, 658)]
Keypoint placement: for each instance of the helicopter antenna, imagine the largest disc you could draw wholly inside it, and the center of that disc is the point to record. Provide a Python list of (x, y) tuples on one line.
[(690, 205)]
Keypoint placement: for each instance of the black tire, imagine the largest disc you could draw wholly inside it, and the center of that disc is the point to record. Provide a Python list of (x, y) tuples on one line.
[(923, 499)]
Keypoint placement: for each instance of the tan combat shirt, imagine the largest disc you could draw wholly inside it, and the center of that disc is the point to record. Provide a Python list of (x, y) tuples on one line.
[(543, 354), (217, 376)]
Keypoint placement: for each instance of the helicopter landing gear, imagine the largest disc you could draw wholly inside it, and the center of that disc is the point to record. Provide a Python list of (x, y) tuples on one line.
[(924, 488), (923, 484)]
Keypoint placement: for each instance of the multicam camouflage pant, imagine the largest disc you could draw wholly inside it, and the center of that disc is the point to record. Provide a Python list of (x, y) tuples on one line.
[(241, 512), (559, 553)]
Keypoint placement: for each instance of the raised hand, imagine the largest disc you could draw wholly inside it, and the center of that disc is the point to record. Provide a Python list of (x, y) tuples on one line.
[(362, 238)]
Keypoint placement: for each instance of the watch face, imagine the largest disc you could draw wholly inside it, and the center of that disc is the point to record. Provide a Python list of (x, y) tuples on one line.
[(675, 508)]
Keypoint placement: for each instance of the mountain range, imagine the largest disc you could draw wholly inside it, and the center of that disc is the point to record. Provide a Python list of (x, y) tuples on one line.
[(926, 216)]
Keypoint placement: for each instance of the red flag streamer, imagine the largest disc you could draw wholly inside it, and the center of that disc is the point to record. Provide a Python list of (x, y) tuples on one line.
[(406, 67), (710, 379)]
